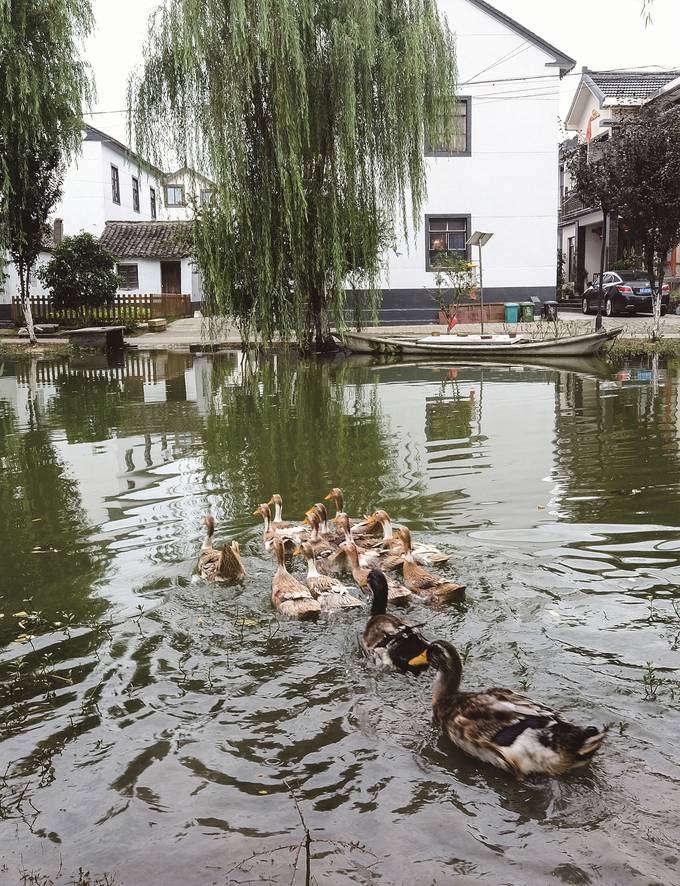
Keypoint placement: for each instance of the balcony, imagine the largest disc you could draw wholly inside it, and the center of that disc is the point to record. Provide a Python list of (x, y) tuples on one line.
[(572, 205)]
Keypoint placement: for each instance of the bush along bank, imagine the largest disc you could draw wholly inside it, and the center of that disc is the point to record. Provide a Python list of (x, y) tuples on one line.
[(642, 347)]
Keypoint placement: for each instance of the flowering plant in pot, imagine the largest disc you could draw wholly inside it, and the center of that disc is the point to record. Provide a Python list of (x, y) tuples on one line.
[(455, 282)]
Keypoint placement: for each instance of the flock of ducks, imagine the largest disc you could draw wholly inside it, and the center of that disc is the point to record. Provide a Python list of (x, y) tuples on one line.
[(496, 725)]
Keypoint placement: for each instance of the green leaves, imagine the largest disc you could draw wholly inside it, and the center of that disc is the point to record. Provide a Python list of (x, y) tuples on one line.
[(310, 118), (81, 273)]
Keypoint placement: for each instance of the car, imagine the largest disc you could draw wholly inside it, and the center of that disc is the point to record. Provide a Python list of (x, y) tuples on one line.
[(624, 292)]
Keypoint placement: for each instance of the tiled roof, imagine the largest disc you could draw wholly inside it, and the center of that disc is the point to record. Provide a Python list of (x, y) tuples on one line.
[(631, 86), (147, 239)]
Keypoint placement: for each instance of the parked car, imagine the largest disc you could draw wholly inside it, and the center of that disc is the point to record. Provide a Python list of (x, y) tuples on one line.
[(624, 292)]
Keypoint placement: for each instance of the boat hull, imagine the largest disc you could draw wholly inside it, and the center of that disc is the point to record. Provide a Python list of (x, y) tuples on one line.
[(569, 346)]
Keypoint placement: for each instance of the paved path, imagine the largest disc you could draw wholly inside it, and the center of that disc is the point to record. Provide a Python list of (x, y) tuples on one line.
[(192, 331)]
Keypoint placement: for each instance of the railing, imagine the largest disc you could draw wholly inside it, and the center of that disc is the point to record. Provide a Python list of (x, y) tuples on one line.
[(572, 204), (125, 307)]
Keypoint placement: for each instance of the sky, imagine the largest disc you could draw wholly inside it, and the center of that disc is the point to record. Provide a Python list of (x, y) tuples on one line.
[(601, 34)]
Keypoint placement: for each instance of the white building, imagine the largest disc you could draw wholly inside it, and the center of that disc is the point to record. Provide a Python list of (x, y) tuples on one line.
[(501, 176), (600, 100), (109, 183)]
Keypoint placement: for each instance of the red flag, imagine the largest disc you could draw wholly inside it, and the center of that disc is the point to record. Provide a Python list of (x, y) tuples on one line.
[(452, 322)]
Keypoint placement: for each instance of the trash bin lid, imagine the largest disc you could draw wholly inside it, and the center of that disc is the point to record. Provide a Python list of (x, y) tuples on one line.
[(511, 304), (529, 303)]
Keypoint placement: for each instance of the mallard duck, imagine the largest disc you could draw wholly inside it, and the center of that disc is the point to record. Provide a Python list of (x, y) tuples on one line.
[(289, 596), (330, 592), (215, 564), (424, 554), (278, 522), (360, 574), (389, 640), (500, 727), (422, 582)]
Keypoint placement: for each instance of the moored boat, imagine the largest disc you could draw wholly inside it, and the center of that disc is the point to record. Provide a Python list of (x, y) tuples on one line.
[(483, 346)]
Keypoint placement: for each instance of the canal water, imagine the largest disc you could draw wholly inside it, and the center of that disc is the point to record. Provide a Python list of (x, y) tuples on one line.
[(159, 730)]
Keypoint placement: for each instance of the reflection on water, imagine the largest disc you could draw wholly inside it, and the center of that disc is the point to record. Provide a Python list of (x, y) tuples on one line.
[(152, 725)]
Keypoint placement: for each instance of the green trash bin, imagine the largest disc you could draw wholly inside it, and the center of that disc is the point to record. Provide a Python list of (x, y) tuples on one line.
[(511, 312), (526, 310)]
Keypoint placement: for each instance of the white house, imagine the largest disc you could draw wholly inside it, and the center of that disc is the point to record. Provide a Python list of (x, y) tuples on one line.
[(600, 99), (106, 184), (153, 257), (500, 176)]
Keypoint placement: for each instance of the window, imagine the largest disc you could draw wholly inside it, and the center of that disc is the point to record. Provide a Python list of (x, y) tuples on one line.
[(129, 275), (115, 185), (206, 196), (58, 230), (152, 199), (446, 238), (461, 145), (174, 195), (135, 194)]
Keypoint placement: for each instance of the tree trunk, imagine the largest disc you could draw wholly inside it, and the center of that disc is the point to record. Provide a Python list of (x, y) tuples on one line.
[(656, 296), (24, 273), (603, 249)]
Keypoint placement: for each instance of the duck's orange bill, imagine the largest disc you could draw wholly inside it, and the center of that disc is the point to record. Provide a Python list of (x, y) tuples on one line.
[(419, 659), (297, 552), (328, 497)]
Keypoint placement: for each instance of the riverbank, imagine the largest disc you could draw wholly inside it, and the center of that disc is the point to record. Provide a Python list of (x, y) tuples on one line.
[(197, 335)]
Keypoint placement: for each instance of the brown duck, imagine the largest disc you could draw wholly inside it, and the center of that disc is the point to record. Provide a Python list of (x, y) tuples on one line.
[(421, 582), (330, 592), (396, 591), (501, 727), (387, 639), (222, 564), (290, 597)]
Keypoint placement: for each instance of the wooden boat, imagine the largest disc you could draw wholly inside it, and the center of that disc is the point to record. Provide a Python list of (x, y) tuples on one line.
[(486, 347)]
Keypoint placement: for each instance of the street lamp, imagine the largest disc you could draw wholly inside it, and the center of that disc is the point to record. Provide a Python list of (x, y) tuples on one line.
[(479, 239)]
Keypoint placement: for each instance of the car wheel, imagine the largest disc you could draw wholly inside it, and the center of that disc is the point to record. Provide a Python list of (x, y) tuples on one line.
[(609, 308), (585, 307)]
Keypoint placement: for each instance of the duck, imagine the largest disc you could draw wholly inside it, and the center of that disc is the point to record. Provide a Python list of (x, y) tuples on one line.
[(423, 554), (269, 533), (215, 564), (432, 587), (396, 591), (387, 639), (289, 596), (510, 731), (323, 547), (330, 592), (278, 522), (357, 526)]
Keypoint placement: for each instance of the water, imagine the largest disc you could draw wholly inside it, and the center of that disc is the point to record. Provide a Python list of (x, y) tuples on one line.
[(153, 726)]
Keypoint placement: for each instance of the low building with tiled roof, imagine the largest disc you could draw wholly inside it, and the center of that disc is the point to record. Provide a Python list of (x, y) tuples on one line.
[(153, 256)]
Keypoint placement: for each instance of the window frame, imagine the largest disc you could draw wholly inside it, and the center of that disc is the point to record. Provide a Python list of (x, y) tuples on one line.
[(430, 151), (152, 203), (135, 193), (134, 265), (177, 188), (115, 184), (445, 216), (210, 195)]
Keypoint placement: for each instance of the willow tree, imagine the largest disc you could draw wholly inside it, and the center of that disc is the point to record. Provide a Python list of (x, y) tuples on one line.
[(43, 85), (310, 117)]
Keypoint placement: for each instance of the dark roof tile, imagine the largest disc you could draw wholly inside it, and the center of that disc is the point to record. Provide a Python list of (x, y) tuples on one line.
[(147, 239), (631, 86)]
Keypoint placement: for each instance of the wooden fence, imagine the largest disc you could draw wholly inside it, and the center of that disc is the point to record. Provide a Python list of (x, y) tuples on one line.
[(125, 308)]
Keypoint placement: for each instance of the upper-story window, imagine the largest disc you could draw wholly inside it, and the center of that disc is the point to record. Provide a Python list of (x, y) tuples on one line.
[(115, 185), (206, 196), (174, 195), (446, 238), (135, 194), (461, 145), (152, 201)]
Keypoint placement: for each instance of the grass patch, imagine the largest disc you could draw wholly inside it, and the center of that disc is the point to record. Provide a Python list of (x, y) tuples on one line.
[(22, 350), (634, 347)]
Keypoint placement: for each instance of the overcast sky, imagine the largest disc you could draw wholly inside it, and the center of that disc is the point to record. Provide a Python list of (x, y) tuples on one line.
[(598, 33)]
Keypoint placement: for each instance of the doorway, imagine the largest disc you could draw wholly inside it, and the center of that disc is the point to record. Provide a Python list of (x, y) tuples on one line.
[(171, 276)]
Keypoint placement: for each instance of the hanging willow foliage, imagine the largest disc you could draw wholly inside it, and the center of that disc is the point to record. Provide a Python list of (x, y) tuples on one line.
[(310, 116), (43, 86)]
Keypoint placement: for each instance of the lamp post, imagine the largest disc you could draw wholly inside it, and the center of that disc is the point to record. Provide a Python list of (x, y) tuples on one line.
[(479, 239)]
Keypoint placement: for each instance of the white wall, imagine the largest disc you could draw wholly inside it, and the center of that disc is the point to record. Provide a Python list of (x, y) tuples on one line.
[(509, 184), (193, 183), (149, 274)]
